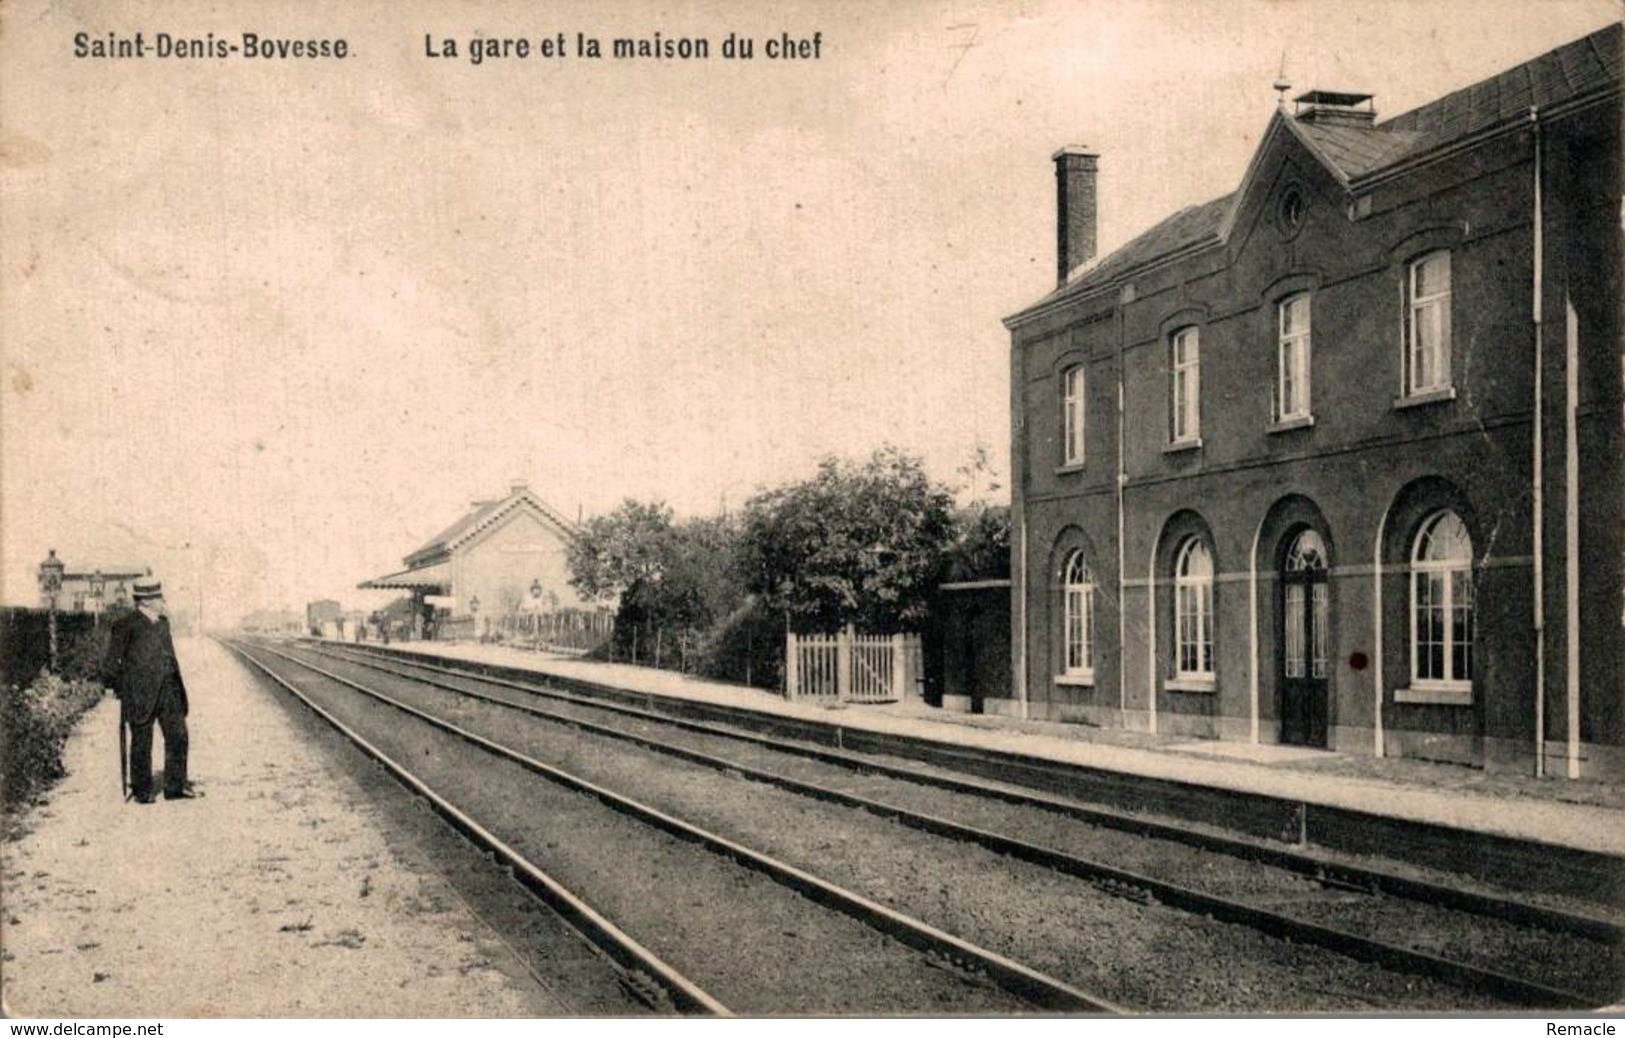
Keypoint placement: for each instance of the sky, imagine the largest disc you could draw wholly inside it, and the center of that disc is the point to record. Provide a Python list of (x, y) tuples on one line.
[(268, 326)]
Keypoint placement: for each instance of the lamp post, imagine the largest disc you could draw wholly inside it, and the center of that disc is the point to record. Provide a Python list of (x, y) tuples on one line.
[(50, 582), (474, 613), (535, 618)]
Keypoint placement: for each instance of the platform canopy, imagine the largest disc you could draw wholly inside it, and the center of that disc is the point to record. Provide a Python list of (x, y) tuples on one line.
[(435, 579)]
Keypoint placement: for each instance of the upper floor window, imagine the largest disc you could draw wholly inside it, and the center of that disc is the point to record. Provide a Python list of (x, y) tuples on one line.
[(1427, 324), (1442, 603), (1292, 382), (1072, 415), (1079, 612), (1193, 611), (1185, 385)]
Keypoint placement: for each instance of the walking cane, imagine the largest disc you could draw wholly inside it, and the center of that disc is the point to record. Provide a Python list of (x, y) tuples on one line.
[(123, 755)]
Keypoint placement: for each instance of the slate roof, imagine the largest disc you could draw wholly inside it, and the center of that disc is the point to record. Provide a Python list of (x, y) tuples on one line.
[(1355, 151), (441, 542), (1190, 226), (1570, 71), (1574, 70), (482, 514)]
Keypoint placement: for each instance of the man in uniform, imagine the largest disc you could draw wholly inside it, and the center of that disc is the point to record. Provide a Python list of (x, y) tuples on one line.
[(142, 670)]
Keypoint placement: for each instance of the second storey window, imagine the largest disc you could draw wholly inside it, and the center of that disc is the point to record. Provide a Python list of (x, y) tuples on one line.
[(1185, 385), (1072, 415), (1193, 611), (1292, 389), (1427, 324)]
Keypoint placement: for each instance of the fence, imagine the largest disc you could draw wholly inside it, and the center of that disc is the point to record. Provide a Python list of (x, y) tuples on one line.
[(572, 630), (848, 667)]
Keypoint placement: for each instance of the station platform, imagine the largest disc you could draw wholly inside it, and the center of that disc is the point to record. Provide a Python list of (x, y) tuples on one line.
[(1580, 815), (281, 892)]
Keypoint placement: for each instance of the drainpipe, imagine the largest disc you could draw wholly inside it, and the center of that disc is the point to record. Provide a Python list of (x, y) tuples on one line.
[(1376, 637), (1252, 632), (1539, 473), (1021, 615), (1571, 527), (1151, 638), (1122, 551)]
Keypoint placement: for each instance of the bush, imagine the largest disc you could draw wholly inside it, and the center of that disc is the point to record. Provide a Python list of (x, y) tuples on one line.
[(34, 725), (82, 653), (747, 648)]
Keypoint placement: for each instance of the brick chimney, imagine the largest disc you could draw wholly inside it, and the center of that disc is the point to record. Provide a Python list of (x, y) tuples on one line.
[(1074, 208)]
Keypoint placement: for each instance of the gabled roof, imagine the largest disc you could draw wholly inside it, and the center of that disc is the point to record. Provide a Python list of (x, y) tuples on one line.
[(1587, 66), (484, 515), (1352, 152), (441, 542)]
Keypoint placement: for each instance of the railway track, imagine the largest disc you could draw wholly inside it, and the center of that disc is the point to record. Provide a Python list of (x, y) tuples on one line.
[(1493, 952), (657, 871)]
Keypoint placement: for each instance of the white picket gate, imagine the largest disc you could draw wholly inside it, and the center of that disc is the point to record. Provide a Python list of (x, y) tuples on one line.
[(848, 667)]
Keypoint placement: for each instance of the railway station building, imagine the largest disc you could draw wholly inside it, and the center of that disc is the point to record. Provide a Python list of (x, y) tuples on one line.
[(502, 557), (1338, 459)]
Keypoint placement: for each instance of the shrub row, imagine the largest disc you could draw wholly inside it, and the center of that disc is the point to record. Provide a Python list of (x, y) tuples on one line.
[(35, 718), (33, 728)]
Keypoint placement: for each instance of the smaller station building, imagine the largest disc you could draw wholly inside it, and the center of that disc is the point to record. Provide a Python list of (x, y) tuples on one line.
[(504, 558)]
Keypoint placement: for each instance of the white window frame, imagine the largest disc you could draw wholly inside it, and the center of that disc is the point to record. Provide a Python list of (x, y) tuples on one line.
[(1074, 411), (1193, 612), (1185, 385), (1454, 575), (1431, 311), (1078, 620), (1293, 354)]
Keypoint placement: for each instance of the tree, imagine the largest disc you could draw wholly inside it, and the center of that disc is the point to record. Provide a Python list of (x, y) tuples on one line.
[(614, 553), (982, 547), (982, 543), (677, 577), (861, 544)]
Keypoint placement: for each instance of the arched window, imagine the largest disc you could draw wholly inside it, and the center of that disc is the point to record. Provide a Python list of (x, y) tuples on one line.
[(1185, 386), (1442, 604), (1072, 415), (1079, 611), (1292, 381), (1427, 324), (1193, 611)]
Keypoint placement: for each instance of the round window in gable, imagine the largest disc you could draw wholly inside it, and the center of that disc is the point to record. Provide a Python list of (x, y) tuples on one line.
[(1293, 207)]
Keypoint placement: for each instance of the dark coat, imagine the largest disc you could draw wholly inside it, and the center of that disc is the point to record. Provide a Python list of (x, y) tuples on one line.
[(140, 664)]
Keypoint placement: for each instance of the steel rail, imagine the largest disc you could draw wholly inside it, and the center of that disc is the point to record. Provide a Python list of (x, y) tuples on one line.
[(1121, 882), (1337, 874), (1037, 987), (603, 934)]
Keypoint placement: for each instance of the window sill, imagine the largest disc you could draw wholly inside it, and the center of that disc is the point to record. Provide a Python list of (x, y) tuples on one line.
[(1431, 396), (1445, 695), (1289, 424), (1080, 679), (1194, 443), (1069, 469), (1190, 685)]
